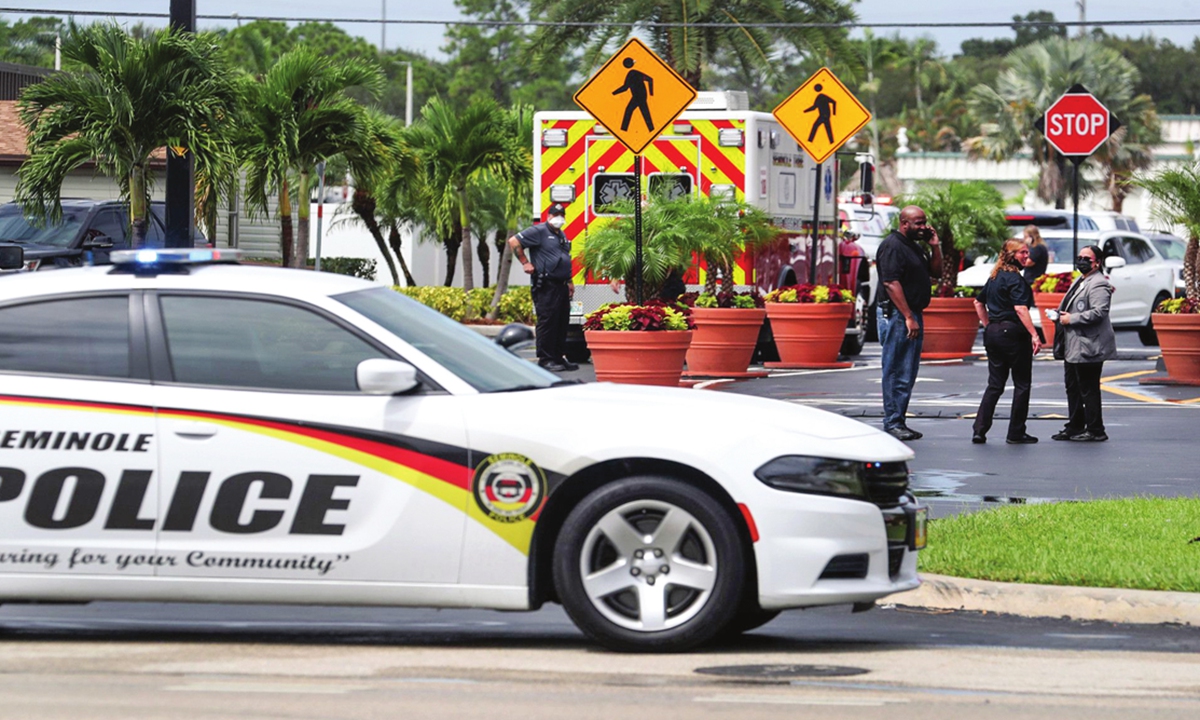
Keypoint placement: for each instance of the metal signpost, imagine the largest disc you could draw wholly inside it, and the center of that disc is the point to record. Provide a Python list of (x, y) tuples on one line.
[(821, 115), (1076, 125), (181, 188), (635, 95)]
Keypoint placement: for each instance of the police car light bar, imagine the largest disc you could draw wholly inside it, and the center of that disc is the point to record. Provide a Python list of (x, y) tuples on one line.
[(174, 256)]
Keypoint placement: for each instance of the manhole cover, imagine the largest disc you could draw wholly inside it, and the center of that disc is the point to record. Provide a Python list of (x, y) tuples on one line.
[(781, 671)]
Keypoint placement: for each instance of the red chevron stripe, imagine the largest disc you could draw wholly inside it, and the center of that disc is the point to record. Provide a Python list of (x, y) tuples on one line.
[(712, 153), (560, 166)]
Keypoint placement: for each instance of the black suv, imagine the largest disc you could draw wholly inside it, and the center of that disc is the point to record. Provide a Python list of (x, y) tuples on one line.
[(88, 232)]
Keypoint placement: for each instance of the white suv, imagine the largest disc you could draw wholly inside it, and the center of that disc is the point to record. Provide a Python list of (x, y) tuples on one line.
[(1139, 275)]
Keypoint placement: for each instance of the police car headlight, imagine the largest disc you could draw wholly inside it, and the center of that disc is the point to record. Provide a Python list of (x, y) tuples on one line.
[(819, 476)]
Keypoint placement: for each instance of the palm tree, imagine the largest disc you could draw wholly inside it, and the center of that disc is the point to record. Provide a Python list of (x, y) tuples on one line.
[(920, 58), (130, 98), (875, 53), (1177, 192), (1034, 77), (965, 215), (706, 27), (518, 187), (457, 147), (300, 113)]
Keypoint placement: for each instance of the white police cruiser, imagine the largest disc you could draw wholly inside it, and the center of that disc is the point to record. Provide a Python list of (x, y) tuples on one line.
[(178, 427)]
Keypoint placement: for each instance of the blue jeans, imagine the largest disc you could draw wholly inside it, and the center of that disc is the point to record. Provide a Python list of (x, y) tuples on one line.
[(901, 360)]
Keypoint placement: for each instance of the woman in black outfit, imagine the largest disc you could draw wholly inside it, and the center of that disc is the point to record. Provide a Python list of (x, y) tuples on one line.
[(1011, 342), (1039, 254)]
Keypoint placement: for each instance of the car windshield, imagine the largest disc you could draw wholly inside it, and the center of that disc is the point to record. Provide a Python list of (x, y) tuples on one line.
[(481, 363), (15, 228), (1169, 248)]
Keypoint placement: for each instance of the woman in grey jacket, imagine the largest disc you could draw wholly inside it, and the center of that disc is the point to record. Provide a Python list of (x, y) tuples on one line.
[(1087, 341)]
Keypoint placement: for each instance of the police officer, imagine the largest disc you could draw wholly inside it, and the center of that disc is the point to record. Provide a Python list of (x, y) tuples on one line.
[(549, 267)]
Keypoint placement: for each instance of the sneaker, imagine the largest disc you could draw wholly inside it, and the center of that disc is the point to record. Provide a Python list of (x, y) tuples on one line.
[(979, 438), (1025, 439), (915, 434), (568, 365), (902, 433), (1064, 434), (1088, 436), (552, 366)]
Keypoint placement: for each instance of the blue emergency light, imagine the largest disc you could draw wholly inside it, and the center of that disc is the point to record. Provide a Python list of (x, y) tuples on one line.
[(147, 257)]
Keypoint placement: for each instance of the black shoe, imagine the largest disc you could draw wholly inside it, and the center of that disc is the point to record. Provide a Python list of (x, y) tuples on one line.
[(570, 366), (1064, 434), (1088, 436), (1025, 439), (903, 433), (552, 366), (979, 438), (915, 434)]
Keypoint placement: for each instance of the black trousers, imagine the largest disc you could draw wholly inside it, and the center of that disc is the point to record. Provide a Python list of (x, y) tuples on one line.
[(1083, 397), (1008, 350), (552, 304)]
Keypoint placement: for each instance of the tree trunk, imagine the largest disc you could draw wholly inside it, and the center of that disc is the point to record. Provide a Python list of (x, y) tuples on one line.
[(137, 206), (485, 257), (395, 243), (506, 255), (363, 204), (951, 259), (1191, 269), (304, 210), (468, 262), (727, 278), (451, 243), (710, 276), (285, 224)]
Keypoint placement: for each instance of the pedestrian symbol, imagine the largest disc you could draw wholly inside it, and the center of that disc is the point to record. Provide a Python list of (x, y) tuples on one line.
[(635, 95), (822, 115)]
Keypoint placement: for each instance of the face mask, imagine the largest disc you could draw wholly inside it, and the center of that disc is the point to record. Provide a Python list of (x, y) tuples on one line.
[(1083, 265), (557, 221)]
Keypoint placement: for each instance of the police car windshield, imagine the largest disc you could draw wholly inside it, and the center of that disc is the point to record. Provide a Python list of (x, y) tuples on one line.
[(481, 363), (15, 228)]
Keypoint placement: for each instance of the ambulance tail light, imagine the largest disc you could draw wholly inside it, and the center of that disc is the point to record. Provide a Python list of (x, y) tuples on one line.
[(554, 137), (562, 193), (731, 137)]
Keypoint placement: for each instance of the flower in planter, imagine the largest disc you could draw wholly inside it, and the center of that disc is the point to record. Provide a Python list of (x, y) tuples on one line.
[(652, 317), (807, 293), (1056, 283), (1178, 306), (722, 299), (959, 291)]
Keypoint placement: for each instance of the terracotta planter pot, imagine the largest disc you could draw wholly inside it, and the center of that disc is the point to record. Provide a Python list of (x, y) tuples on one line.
[(723, 340), (1044, 302), (809, 334), (1179, 339), (951, 326), (638, 358)]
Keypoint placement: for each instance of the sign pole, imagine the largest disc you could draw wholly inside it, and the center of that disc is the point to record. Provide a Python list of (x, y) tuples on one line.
[(812, 248), (1075, 195), (637, 227)]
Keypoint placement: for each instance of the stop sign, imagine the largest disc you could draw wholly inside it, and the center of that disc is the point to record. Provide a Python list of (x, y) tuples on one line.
[(1077, 124)]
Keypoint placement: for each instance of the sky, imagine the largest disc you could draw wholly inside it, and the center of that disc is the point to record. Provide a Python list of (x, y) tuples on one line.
[(427, 39)]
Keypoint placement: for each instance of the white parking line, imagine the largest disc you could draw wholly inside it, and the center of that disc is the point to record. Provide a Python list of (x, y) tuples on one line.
[(785, 700)]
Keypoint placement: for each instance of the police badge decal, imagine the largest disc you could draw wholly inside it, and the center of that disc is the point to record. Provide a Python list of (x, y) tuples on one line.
[(509, 487)]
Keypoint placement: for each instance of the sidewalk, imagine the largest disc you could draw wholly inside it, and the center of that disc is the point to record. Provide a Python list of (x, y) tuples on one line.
[(1116, 605)]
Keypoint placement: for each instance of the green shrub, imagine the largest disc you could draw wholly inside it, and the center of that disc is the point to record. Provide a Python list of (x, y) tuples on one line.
[(354, 267), (516, 305)]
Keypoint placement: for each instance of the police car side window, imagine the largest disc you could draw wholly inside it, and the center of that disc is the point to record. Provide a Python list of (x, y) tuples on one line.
[(81, 336), (259, 344)]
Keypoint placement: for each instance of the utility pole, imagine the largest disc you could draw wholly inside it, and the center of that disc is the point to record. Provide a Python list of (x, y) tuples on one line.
[(1082, 5), (383, 28), (408, 91), (181, 188)]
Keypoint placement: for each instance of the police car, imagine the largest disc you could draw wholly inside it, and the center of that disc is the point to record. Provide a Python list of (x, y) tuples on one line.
[(178, 427)]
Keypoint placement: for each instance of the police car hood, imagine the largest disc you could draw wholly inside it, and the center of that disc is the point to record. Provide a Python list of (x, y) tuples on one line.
[(655, 421)]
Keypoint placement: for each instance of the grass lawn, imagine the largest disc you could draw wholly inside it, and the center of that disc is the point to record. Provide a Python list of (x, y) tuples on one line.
[(1144, 543)]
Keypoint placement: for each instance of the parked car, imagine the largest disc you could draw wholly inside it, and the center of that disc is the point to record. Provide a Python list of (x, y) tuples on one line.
[(871, 225), (88, 231), (1139, 275), (181, 428), (1172, 249), (1049, 220)]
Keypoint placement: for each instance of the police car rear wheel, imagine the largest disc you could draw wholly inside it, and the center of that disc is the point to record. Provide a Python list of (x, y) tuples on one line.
[(649, 564)]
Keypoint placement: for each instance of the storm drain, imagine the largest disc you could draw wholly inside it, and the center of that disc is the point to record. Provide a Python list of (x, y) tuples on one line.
[(781, 672)]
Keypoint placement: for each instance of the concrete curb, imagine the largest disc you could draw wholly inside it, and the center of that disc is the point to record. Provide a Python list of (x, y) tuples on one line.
[(1078, 603)]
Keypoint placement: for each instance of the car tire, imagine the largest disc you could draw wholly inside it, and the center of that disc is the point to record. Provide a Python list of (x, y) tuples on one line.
[(1146, 333), (610, 557), (854, 342)]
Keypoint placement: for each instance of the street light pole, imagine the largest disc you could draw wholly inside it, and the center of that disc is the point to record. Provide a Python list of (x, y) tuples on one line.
[(408, 91), (383, 28)]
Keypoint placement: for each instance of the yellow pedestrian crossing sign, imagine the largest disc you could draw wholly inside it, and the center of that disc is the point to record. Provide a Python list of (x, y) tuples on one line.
[(822, 115), (635, 95)]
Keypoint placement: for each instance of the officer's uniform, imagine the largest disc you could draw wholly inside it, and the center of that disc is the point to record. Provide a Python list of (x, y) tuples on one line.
[(550, 253)]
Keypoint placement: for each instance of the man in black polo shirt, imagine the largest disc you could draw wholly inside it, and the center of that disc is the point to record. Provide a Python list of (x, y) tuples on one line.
[(550, 280), (904, 269)]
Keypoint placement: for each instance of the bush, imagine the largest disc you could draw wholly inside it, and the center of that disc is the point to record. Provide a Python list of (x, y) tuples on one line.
[(516, 305), (354, 267)]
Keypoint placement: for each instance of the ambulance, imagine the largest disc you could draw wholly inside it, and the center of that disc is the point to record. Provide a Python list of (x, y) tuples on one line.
[(717, 147)]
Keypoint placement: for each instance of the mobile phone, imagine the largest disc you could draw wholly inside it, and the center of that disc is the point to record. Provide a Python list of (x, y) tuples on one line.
[(1052, 315)]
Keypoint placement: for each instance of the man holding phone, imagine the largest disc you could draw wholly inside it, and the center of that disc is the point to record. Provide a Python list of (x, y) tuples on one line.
[(905, 269)]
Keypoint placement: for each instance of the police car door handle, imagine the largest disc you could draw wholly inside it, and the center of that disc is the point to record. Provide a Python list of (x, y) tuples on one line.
[(195, 430)]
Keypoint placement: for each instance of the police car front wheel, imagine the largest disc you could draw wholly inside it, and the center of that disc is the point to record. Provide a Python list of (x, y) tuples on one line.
[(649, 564)]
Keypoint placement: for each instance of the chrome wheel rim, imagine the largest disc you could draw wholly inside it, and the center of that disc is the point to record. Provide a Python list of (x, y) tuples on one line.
[(648, 566)]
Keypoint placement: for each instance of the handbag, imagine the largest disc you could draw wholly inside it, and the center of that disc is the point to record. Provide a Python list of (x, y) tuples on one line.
[(1060, 342)]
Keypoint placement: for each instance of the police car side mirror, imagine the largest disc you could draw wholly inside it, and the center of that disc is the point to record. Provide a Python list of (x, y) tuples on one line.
[(379, 376), (1112, 262), (12, 257)]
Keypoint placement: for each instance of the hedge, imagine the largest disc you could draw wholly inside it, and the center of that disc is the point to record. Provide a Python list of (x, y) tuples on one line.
[(516, 305)]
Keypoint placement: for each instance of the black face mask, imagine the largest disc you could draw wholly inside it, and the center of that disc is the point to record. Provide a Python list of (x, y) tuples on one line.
[(1083, 264)]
